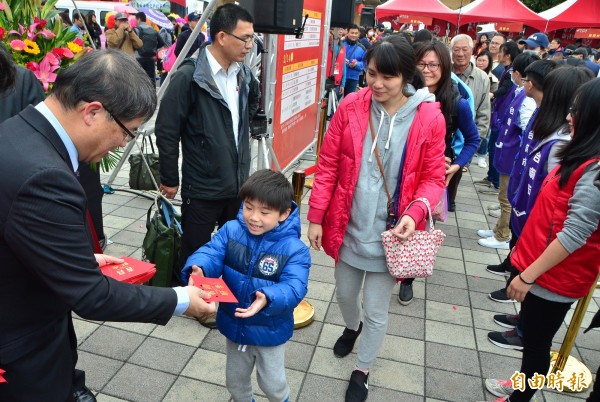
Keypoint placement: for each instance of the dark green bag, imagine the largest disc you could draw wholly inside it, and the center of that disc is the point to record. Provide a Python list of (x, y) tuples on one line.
[(162, 242), (139, 177)]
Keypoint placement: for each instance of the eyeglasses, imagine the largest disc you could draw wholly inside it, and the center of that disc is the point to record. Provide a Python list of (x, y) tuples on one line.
[(431, 66), (246, 41), (129, 136), (525, 80), (572, 110)]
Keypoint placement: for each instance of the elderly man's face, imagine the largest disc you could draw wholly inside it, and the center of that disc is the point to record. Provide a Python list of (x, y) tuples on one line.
[(461, 53)]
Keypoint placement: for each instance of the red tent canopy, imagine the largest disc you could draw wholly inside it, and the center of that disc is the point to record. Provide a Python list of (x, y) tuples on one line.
[(573, 14), (426, 8), (500, 11)]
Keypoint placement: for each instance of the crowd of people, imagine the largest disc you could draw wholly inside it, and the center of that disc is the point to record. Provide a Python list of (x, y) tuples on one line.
[(415, 110), (517, 100)]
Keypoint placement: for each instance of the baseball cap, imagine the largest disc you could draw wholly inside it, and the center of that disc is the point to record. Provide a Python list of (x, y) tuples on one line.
[(121, 16), (538, 39), (193, 17)]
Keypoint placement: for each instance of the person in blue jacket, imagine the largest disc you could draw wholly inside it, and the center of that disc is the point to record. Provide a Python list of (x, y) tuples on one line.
[(355, 55), (265, 264)]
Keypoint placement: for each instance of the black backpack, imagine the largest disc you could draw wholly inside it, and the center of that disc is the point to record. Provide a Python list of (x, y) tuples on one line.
[(149, 38), (452, 124)]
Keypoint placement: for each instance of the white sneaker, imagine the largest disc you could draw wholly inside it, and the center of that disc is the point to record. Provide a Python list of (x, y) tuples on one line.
[(481, 162), (485, 233), (494, 213), (491, 242), (493, 207)]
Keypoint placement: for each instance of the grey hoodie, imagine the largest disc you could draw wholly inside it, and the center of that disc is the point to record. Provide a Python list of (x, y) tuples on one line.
[(362, 247)]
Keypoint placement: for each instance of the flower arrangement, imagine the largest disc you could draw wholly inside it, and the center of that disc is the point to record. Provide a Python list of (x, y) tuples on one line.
[(36, 38)]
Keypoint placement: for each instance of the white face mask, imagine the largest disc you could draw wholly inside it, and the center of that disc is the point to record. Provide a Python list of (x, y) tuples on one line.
[(512, 78)]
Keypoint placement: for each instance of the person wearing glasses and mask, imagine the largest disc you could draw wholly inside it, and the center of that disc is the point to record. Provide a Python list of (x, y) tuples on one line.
[(48, 264), (207, 107)]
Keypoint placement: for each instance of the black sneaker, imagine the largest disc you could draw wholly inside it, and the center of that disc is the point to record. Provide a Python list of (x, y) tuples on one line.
[(358, 388), (343, 346), (405, 294), (507, 340), (497, 269), (500, 296), (507, 320), (452, 207)]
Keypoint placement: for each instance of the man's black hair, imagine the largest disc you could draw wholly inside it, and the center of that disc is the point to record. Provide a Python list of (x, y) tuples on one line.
[(226, 19), (141, 16)]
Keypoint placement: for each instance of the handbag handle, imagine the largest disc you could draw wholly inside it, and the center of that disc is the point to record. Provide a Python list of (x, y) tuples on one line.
[(144, 146), (168, 210), (426, 202)]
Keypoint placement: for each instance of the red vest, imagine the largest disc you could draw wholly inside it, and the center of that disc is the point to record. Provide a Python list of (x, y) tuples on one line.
[(336, 71), (576, 274)]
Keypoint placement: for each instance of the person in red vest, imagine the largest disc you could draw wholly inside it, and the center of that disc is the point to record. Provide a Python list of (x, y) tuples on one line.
[(557, 252), (336, 57)]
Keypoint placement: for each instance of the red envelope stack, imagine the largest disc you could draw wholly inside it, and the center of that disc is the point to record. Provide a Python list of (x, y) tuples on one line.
[(219, 292), (131, 271)]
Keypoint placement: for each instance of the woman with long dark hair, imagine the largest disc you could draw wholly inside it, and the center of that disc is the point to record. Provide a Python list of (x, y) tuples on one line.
[(433, 59), (362, 158), (94, 30), (557, 253)]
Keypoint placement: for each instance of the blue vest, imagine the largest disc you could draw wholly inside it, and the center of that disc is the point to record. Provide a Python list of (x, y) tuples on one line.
[(533, 175), (502, 103), (509, 136)]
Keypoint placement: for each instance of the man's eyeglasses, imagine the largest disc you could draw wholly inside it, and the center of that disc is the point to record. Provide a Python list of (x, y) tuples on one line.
[(247, 41), (431, 66), (129, 136), (525, 80)]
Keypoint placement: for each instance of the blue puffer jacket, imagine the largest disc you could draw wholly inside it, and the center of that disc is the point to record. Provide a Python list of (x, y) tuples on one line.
[(275, 263)]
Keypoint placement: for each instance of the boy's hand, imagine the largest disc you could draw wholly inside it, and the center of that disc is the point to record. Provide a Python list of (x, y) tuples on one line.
[(255, 307), (195, 271)]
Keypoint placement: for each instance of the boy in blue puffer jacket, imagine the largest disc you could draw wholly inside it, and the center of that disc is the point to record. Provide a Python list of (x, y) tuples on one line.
[(265, 264)]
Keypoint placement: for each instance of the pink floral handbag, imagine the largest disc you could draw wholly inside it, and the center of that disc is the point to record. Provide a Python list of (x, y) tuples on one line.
[(414, 257)]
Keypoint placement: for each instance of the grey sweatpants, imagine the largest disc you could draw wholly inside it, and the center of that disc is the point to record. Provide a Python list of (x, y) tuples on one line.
[(377, 290), (270, 371)]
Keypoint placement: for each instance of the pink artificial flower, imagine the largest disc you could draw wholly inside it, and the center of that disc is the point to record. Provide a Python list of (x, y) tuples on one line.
[(79, 41), (44, 72), (31, 65), (2, 6), (20, 32), (46, 33), (2, 31), (63, 52), (17, 45)]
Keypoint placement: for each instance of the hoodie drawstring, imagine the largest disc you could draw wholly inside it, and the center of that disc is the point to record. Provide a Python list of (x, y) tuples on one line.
[(390, 130), (376, 137)]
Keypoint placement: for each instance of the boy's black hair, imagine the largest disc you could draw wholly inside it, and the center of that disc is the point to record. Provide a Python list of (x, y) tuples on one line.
[(271, 188)]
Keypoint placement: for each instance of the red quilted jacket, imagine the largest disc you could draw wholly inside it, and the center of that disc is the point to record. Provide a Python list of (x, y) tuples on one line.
[(339, 166)]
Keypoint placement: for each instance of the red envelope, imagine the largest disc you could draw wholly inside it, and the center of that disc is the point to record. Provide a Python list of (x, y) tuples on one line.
[(217, 288), (130, 271)]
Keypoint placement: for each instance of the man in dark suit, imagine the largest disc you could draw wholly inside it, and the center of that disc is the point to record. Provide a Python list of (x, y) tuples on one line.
[(47, 265)]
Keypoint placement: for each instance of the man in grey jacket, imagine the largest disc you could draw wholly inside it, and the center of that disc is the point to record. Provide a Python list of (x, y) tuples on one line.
[(476, 80)]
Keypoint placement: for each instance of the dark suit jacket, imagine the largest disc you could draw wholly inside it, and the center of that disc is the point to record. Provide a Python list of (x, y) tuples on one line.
[(47, 266)]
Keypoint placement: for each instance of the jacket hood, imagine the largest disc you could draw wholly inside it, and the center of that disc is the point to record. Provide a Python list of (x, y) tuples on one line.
[(289, 227), (415, 98), (562, 134)]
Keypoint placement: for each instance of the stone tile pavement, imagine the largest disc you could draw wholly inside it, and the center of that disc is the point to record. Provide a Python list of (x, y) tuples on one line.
[(436, 349)]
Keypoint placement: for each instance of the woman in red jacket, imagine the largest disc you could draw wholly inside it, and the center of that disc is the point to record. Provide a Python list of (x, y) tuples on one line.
[(557, 252), (394, 121)]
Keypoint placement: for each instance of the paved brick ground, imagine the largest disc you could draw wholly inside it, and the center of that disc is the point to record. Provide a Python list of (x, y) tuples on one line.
[(436, 349)]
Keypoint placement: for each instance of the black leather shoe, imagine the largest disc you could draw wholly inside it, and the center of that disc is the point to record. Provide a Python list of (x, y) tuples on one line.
[(83, 395)]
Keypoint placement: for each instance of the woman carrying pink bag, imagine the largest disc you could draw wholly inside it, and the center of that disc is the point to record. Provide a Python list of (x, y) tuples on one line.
[(349, 206)]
